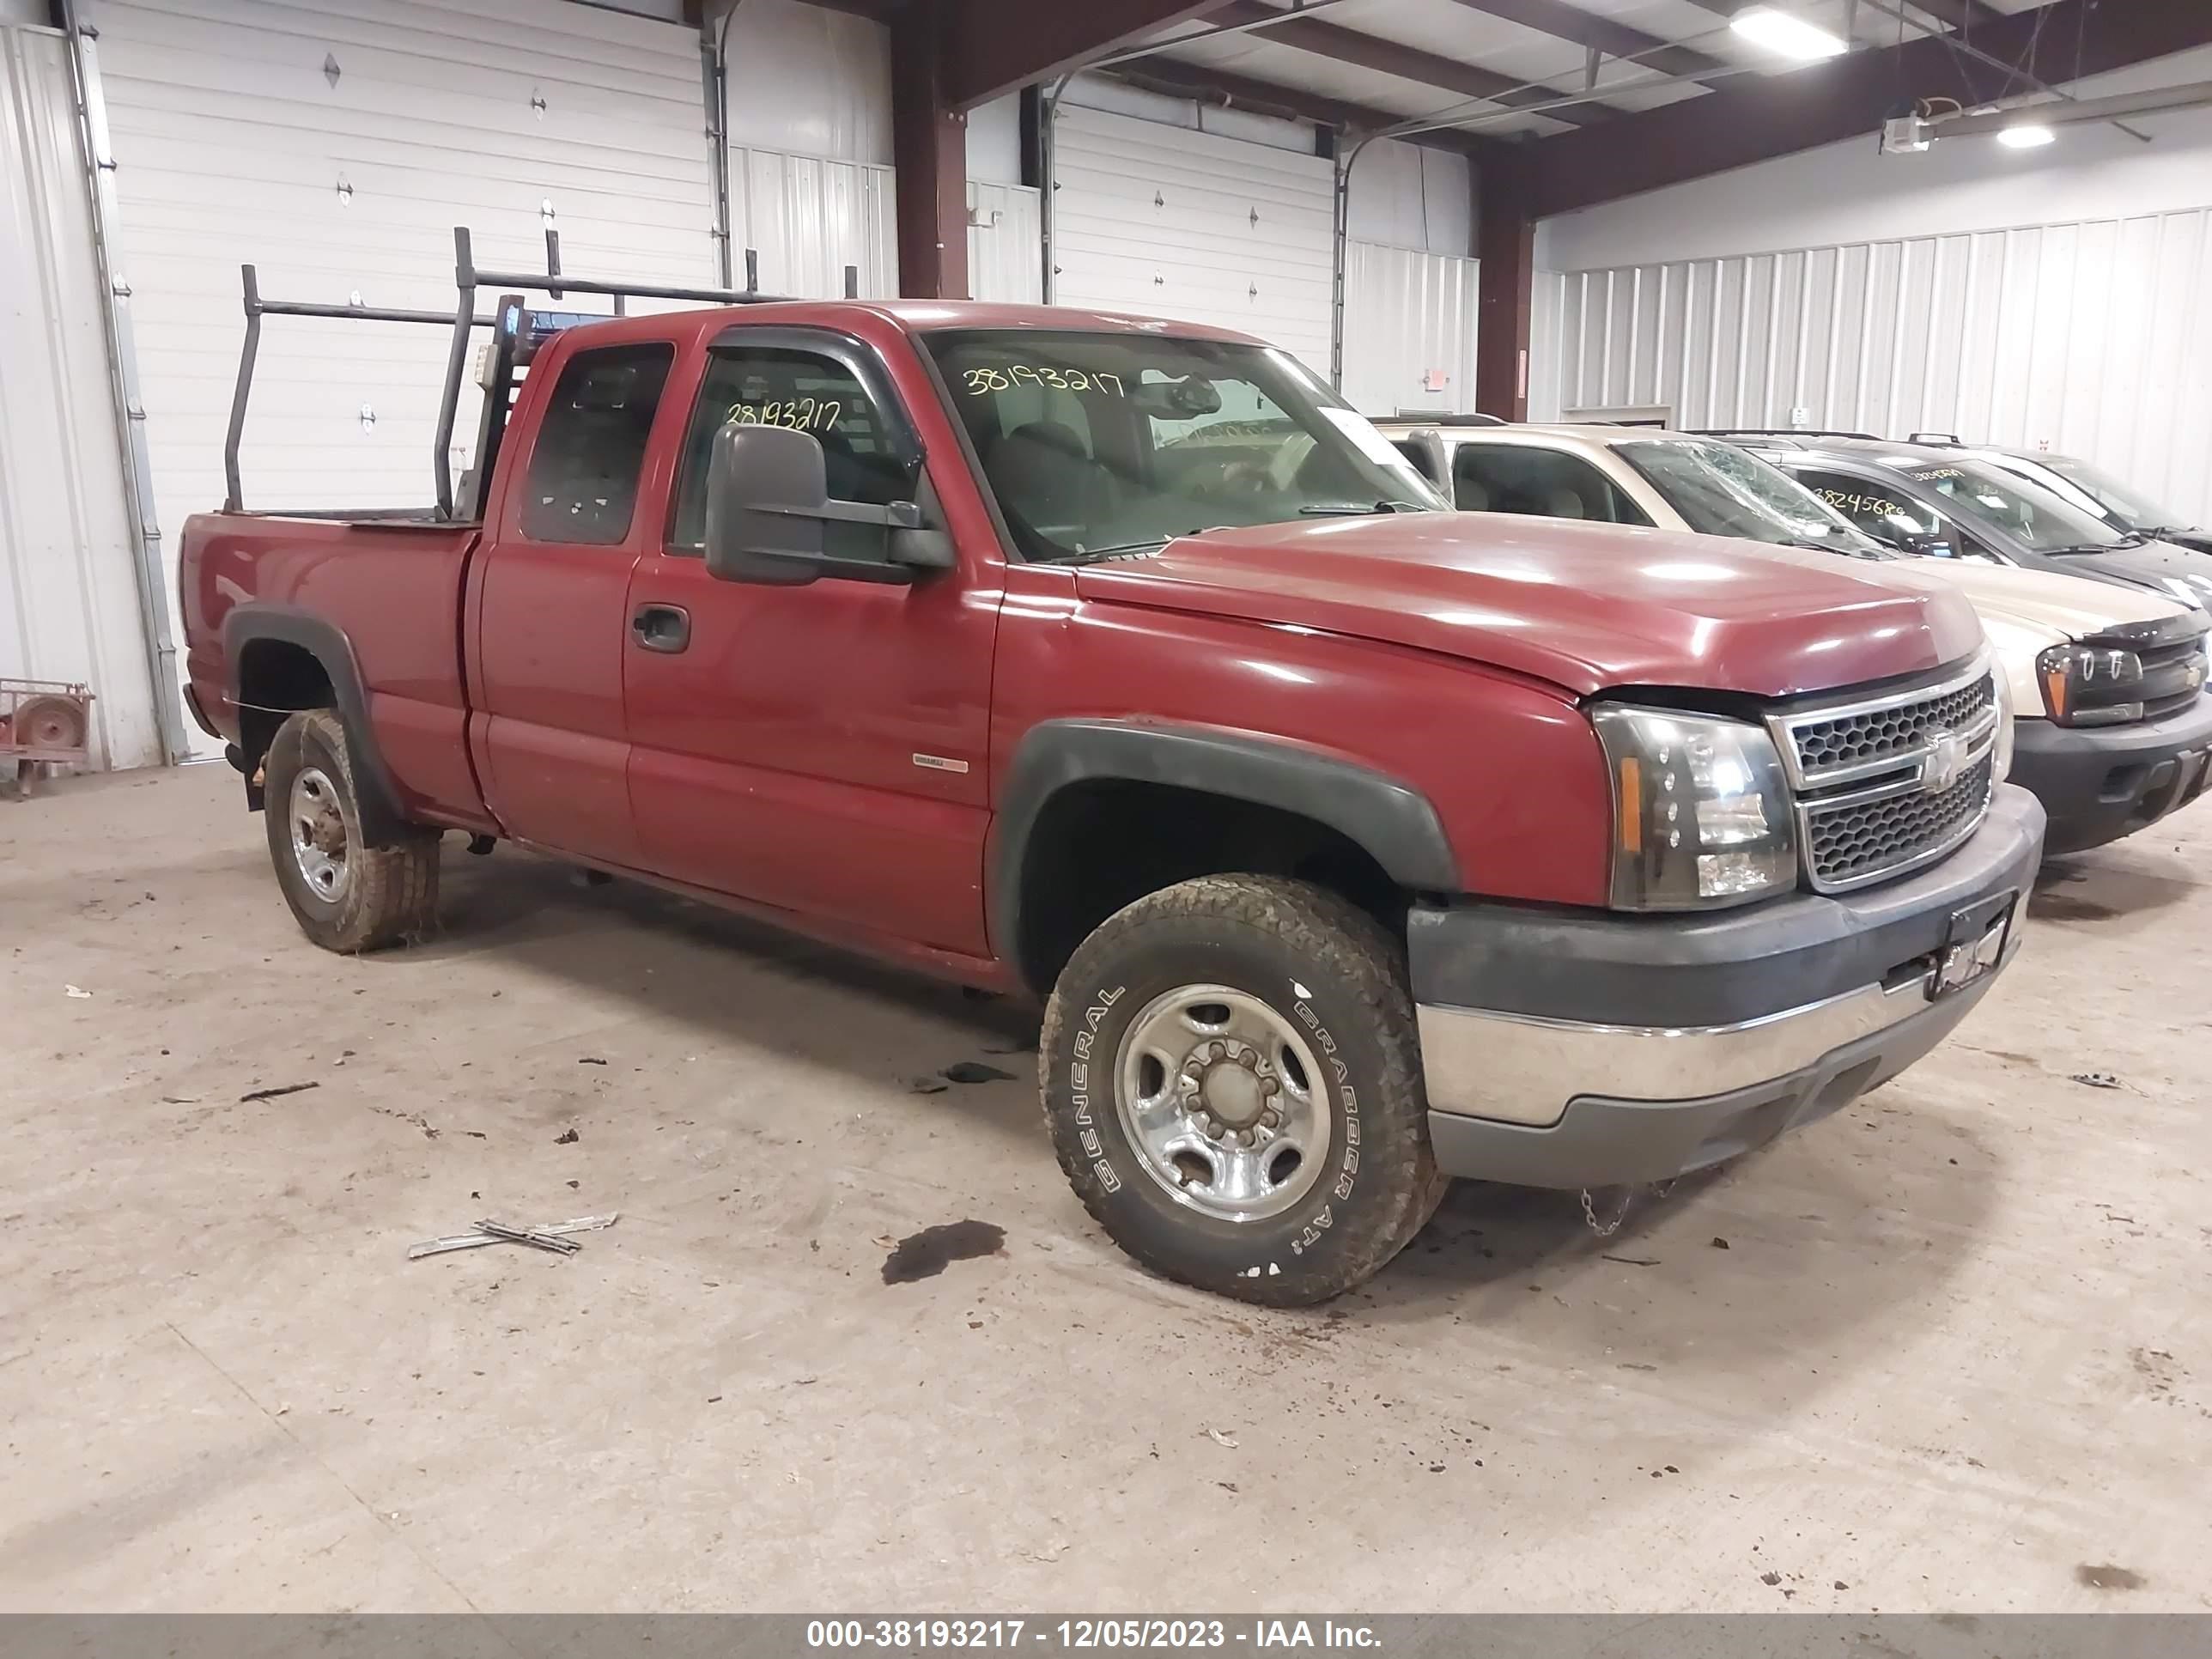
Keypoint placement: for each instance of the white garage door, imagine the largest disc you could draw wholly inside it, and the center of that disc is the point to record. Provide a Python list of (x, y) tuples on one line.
[(69, 588), (1167, 222), (335, 144)]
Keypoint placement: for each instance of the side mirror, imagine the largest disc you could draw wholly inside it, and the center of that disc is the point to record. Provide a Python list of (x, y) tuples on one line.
[(768, 506)]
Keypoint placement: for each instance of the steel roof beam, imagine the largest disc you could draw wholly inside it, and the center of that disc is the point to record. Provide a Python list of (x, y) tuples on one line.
[(1344, 46), (990, 47), (1587, 29), (1758, 117), (1181, 79)]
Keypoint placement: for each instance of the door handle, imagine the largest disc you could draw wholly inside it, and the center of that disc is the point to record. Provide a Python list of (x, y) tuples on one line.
[(662, 627)]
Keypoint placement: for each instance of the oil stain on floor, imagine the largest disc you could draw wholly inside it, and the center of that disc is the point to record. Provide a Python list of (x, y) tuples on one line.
[(927, 1254)]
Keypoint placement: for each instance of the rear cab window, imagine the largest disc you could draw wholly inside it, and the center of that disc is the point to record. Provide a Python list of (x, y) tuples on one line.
[(582, 481)]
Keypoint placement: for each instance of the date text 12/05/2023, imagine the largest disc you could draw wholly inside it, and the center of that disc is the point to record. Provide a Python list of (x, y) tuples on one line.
[(1075, 1634)]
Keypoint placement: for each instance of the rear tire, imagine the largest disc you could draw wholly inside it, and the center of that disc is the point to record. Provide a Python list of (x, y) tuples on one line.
[(350, 894), (1232, 1073)]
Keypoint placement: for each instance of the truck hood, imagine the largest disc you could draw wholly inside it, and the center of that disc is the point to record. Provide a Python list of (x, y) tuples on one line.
[(1581, 606), (2053, 608)]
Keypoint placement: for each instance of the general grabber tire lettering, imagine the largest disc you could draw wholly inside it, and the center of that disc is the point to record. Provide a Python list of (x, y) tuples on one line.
[(1232, 1076), (350, 894)]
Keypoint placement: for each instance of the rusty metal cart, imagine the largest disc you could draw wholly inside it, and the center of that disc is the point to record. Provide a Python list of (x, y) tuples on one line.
[(42, 723)]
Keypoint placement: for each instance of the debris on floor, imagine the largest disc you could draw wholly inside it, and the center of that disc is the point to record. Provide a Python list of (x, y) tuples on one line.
[(2107, 1577), (556, 1242), (1222, 1438), (928, 1085), (277, 1091), (554, 1236), (567, 1137), (78, 991), (927, 1254), (2097, 1080)]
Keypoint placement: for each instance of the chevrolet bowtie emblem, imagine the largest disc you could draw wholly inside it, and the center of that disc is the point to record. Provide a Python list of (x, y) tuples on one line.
[(1946, 758)]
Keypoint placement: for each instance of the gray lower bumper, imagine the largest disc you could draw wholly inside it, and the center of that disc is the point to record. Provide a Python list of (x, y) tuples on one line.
[(1601, 1141), (1572, 1052)]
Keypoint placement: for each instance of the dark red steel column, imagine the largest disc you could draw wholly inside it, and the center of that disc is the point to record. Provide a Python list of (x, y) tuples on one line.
[(929, 151), (1505, 244)]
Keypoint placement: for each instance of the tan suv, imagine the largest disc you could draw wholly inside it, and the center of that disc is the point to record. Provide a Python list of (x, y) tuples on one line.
[(2114, 730)]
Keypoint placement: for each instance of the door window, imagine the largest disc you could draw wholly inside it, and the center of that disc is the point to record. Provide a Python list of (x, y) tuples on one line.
[(582, 481), (810, 392), (1521, 478)]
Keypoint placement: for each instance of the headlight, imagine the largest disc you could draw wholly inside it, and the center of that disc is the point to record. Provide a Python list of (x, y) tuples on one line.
[(2085, 684), (1701, 810), (2001, 758)]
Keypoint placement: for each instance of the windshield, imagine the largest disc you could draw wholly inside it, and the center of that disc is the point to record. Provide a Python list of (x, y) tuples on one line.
[(2032, 515), (1721, 490), (2135, 510), (1096, 443)]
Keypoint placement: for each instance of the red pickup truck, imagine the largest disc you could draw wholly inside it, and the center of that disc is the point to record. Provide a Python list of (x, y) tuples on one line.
[(1351, 843)]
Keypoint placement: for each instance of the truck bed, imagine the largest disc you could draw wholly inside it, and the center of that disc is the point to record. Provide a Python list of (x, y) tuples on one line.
[(399, 585)]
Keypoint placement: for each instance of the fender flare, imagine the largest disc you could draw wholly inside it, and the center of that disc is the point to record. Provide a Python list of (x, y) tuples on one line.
[(252, 623), (1395, 823)]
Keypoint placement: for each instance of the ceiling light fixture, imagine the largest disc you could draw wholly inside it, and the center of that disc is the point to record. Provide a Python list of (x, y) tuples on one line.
[(1790, 36), (2028, 136)]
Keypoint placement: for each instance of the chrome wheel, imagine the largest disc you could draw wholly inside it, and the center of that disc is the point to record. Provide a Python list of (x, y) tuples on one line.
[(1223, 1103), (319, 834)]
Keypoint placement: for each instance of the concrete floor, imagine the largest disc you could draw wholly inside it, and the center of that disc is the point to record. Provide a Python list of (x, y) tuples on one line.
[(1953, 1356)]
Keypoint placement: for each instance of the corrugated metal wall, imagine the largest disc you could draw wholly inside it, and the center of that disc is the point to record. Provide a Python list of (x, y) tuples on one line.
[(2089, 338), (1166, 221), (1408, 315), (68, 595), (808, 219), (1005, 254)]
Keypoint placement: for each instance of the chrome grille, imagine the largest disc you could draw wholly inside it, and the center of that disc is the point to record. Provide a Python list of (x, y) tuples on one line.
[(1868, 834), (1856, 740), (1886, 784)]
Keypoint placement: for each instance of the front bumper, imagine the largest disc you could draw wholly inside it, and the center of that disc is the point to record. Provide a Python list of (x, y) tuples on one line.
[(1577, 1049), (2099, 783)]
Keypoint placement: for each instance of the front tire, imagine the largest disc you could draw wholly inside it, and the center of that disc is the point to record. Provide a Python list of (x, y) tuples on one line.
[(350, 895), (1232, 1073)]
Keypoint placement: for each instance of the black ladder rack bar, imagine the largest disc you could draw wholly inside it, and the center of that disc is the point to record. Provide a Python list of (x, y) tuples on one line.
[(554, 283), (256, 309), (462, 320)]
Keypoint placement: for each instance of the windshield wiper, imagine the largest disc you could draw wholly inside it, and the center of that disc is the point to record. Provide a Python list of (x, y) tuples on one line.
[(1353, 510)]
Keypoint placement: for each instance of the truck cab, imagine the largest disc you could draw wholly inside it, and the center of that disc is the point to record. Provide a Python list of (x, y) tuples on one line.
[(1349, 843)]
